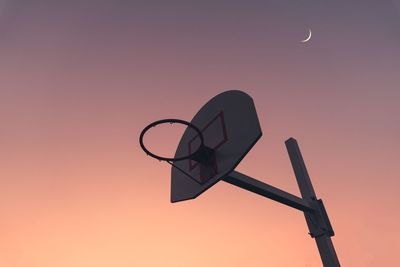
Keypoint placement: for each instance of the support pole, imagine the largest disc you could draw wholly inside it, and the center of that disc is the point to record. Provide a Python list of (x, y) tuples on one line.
[(266, 190), (318, 222)]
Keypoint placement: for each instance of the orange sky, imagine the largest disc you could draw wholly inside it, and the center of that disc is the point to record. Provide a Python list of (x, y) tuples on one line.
[(79, 81)]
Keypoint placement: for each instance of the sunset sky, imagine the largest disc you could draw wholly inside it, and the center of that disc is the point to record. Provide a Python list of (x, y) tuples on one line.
[(79, 80)]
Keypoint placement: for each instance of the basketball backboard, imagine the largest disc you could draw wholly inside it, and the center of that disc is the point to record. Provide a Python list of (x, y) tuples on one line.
[(213, 144), (230, 128)]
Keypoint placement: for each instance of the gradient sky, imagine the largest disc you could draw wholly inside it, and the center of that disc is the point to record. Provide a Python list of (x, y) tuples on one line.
[(80, 79)]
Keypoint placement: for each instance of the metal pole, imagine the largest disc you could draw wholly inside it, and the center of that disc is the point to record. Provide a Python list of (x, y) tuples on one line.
[(318, 221), (266, 190)]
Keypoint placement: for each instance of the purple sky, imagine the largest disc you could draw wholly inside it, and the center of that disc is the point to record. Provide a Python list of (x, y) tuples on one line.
[(80, 79)]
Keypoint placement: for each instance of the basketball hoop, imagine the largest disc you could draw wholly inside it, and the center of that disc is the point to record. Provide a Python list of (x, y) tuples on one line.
[(171, 121), (228, 128)]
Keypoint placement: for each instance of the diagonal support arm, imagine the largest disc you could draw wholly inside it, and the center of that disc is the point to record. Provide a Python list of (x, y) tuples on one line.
[(266, 190)]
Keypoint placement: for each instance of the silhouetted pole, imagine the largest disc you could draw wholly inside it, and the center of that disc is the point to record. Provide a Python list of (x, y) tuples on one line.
[(317, 221), (314, 211), (243, 181)]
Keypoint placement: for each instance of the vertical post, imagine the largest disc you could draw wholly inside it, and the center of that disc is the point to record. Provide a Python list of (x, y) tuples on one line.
[(317, 221)]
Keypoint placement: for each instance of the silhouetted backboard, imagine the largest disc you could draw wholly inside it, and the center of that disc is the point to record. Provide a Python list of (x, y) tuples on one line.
[(230, 127)]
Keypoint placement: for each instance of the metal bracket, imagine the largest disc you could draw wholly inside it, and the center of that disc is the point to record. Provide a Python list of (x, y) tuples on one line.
[(320, 220), (204, 155)]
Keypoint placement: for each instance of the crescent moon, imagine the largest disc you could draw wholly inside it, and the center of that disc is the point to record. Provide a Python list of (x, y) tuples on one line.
[(308, 38)]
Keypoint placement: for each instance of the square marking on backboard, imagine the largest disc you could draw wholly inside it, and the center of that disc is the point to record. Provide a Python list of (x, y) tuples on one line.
[(214, 134)]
